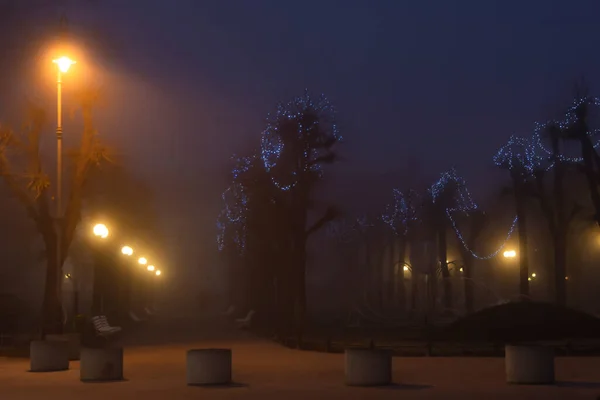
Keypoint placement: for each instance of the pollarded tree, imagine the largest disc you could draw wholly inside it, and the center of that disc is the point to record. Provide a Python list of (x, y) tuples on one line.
[(449, 194), (22, 169), (296, 144), (401, 216), (519, 157), (576, 127), (253, 237)]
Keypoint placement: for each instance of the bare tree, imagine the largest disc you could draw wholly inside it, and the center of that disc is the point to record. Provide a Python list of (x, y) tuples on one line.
[(21, 167)]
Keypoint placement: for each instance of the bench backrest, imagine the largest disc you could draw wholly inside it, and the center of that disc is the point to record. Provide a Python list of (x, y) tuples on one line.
[(249, 316), (100, 322)]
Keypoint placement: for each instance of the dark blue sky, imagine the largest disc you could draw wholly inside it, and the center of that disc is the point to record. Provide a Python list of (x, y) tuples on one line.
[(429, 82)]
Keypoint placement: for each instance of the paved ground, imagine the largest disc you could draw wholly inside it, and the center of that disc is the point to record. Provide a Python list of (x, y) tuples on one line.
[(263, 370)]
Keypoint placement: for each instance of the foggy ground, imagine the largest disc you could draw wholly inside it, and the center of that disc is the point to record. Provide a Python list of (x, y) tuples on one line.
[(155, 369)]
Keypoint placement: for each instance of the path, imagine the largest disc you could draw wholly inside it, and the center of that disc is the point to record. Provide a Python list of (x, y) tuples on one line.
[(263, 370)]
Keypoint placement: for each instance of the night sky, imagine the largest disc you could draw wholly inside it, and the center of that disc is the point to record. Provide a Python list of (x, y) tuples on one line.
[(435, 83), (419, 86)]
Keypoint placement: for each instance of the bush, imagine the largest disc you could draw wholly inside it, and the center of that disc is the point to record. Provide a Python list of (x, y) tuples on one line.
[(522, 322)]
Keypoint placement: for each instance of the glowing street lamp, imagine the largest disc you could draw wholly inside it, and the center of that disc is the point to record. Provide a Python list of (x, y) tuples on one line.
[(142, 261), (101, 231), (405, 268), (509, 254), (63, 64), (157, 273), (150, 268), (126, 250)]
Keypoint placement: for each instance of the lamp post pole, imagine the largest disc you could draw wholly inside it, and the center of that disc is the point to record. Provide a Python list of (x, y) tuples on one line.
[(59, 175)]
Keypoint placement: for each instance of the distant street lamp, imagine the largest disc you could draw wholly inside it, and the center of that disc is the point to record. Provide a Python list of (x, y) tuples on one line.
[(142, 261), (101, 231), (509, 254), (126, 250), (150, 268), (158, 273)]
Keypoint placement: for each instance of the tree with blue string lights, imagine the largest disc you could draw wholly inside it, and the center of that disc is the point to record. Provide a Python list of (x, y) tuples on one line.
[(269, 216), (575, 127), (518, 156), (296, 145), (449, 194), (401, 215), (250, 227)]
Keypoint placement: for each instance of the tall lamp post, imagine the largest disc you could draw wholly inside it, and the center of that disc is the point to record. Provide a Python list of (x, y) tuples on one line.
[(63, 64)]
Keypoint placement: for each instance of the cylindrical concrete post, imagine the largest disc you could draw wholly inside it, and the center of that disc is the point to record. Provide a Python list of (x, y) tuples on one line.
[(365, 367), (101, 365), (529, 364), (73, 342), (48, 355), (208, 367)]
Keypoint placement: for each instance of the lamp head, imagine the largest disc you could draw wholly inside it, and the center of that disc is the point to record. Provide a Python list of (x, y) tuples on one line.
[(64, 63)]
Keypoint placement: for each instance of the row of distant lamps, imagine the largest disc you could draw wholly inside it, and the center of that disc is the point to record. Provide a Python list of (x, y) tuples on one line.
[(506, 254), (101, 231)]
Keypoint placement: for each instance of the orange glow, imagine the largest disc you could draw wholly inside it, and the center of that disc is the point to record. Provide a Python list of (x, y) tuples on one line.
[(509, 254)]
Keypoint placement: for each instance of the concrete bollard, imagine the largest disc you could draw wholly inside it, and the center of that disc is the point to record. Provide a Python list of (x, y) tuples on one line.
[(48, 356), (209, 367), (101, 365), (73, 342), (366, 367), (529, 364)]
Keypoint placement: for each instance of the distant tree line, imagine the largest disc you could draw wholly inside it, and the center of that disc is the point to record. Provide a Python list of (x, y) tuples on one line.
[(268, 217)]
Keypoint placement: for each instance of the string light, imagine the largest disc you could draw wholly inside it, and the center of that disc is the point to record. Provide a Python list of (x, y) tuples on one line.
[(466, 246), (569, 120), (454, 188), (304, 127), (519, 156), (298, 138), (348, 230), (402, 211)]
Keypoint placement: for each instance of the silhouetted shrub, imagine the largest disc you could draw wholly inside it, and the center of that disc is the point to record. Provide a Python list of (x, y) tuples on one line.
[(522, 322)]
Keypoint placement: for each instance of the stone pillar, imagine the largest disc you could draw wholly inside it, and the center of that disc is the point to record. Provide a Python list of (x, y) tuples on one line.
[(366, 367), (49, 355), (209, 367), (529, 364), (101, 364)]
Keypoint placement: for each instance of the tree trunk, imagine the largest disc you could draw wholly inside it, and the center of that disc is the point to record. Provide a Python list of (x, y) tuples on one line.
[(560, 263), (97, 285), (390, 273), (400, 288), (587, 153), (468, 283), (522, 231), (414, 291), (443, 259), (52, 312)]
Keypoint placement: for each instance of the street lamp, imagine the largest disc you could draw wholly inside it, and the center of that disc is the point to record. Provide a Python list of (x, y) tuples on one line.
[(101, 231), (509, 254), (150, 268), (142, 261), (158, 273), (126, 250), (63, 64)]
